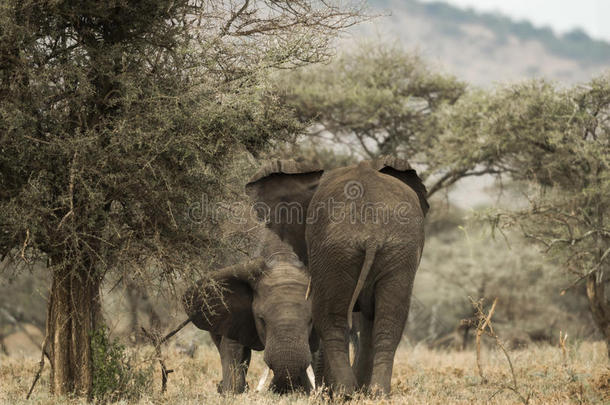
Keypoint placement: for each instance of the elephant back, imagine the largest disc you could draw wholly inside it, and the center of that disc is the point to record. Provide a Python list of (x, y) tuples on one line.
[(402, 170)]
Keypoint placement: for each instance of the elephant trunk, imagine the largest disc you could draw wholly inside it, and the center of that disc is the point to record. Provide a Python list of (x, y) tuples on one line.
[(289, 360)]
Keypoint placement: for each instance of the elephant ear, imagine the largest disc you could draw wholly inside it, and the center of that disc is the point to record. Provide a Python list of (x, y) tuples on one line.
[(282, 190), (402, 170), (223, 306)]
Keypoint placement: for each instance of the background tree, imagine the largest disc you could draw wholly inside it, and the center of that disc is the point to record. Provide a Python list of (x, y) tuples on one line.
[(114, 118), (376, 98), (558, 142)]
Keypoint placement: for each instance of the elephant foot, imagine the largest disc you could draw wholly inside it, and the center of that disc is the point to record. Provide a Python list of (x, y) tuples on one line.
[(377, 392), (341, 392), (341, 395), (222, 389)]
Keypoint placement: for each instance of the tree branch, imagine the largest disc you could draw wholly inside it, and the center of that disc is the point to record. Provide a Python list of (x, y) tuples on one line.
[(452, 177)]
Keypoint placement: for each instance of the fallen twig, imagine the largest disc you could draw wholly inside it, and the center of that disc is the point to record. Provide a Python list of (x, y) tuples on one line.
[(484, 321), (484, 326), (164, 370), (156, 342), (40, 367), (563, 338), (173, 332)]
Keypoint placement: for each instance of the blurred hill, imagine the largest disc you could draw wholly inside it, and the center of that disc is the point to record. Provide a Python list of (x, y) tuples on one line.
[(483, 48)]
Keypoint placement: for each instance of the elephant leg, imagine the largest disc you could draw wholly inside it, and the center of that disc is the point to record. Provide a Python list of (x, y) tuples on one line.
[(334, 273), (235, 360), (363, 363), (332, 324), (335, 344), (343, 380), (392, 296), (320, 366)]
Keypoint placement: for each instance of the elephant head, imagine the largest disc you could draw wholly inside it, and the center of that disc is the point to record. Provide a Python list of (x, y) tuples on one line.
[(282, 190), (262, 305)]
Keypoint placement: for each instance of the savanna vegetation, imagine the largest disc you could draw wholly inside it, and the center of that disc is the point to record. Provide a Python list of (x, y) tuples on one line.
[(117, 119)]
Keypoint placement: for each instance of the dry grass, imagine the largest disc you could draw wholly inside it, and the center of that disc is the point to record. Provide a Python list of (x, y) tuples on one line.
[(420, 376)]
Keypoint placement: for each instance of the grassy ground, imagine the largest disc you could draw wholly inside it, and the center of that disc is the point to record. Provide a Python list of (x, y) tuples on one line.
[(421, 376)]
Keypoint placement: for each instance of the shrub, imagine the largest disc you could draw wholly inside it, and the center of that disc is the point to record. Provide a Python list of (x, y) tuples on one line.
[(114, 376)]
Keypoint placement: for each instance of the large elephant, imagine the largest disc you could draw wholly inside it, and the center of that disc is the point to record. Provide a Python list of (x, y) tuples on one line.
[(365, 236), (367, 247)]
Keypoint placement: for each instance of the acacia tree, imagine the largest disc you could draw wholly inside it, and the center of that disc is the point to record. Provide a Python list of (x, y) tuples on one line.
[(558, 142), (114, 118), (376, 99)]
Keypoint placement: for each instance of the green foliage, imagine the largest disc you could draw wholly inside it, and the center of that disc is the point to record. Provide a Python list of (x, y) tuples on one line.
[(115, 376), (116, 118), (558, 140), (376, 99)]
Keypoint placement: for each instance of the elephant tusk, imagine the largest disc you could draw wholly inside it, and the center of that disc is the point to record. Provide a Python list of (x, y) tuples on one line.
[(263, 380), (311, 376), (308, 292)]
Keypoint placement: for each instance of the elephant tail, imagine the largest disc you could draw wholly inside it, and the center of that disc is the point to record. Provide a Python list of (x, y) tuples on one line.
[(369, 257)]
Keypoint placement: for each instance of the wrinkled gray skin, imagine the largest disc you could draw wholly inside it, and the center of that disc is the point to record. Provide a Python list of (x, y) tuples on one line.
[(265, 309), (367, 261), (362, 256)]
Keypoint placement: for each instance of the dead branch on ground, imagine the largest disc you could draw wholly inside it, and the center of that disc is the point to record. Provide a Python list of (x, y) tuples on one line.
[(40, 366), (156, 341), (485, 326), (563, 338)]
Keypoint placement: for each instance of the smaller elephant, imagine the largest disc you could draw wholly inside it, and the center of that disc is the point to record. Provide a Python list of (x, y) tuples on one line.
[(255, 305)]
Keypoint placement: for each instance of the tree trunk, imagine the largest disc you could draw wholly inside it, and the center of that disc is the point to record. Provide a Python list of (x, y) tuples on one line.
[(596, 281), (73, 314), (600, 307)]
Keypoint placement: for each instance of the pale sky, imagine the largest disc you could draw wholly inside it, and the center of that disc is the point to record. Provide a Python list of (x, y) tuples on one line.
[(593, 16)]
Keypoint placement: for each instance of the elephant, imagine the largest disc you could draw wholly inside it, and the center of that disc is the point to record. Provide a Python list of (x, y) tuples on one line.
[(364, 235), (281, 191), (261, 304)]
